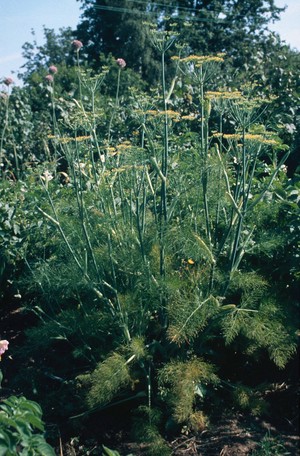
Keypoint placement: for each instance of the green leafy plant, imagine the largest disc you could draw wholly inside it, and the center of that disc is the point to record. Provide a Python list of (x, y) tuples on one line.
[(22, 428), (146, 256), (270, 446)]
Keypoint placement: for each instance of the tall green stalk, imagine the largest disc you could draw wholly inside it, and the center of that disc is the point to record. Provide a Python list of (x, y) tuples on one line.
[(5, 127), (164, 170), (79, 75), (115, 108), (204, 151), (241, 195)]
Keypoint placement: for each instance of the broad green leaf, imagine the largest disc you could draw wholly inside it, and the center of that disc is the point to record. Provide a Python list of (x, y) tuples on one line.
[(32, 406), (109, 452)]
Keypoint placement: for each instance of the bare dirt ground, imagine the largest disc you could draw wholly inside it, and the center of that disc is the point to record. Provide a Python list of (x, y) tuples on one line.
[(231, 437)]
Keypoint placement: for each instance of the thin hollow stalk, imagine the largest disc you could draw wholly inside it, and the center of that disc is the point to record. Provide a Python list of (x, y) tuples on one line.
[(204, 132), (124, 208), (16, 160), (251, 206), (165, 154), (115, 107), (81, 267), (217, 217), (234, 211), (202, 110), (153, 194), (83, 215), (56, 223), (94, 136), (79, 77), (244, 173), (123, 318), (238, 232), (164, 172), (144, 207), (254, 161), (5, 126), (54, 120), (140, 217)]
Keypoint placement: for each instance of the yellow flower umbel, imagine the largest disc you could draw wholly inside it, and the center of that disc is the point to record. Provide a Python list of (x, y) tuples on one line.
[(264, 139), (199, 60), (124, 146), (66, 140), (224, 95), (174, 115), (189, 117), (232, 137)]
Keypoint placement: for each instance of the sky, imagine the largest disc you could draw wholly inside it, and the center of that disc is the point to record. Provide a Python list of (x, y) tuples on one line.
[(19, 17)]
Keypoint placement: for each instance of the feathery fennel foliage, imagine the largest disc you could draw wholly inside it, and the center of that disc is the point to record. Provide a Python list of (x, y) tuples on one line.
[(106, 380), (148, 266), (146, 424), (180, 382)]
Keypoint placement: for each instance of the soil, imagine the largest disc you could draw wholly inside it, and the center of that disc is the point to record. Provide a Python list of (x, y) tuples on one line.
[(237, 436)]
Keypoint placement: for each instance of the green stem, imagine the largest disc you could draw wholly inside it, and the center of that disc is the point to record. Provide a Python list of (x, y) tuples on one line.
[(164, 172), (140, 214), (204, 132), (115, 107), (79, 77), (5, 126), (165, 154), (219, 187), (238, 232), (122, 316)]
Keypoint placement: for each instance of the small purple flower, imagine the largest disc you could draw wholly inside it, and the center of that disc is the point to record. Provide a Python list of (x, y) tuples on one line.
[(77, 44), (121, 63), (53, 69), (8, 81), (49, 78)]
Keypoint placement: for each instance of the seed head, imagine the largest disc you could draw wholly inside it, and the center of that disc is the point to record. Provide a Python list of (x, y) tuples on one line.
[(53, 69), (121, 63), (77, 44), (8, 81), (49, 78)]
